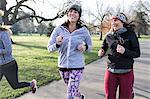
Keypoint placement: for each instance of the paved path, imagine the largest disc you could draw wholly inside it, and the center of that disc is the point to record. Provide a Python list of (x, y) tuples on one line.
[(92, 83)]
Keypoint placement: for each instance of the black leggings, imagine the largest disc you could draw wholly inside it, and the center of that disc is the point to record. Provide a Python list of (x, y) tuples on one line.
[(10, 71)]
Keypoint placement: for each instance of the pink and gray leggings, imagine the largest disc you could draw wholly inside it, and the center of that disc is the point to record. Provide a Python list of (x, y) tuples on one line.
[(72, 80)]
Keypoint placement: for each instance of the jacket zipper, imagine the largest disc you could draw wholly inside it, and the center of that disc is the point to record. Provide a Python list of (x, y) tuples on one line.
[(68, 50), (3, 54)]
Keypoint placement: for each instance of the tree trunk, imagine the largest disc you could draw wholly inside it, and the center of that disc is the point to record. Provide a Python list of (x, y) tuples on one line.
[(139, 35), (100, 36), (3, 4)]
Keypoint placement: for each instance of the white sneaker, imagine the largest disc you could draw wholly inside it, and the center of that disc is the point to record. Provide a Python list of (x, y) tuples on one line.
[(33, 85)]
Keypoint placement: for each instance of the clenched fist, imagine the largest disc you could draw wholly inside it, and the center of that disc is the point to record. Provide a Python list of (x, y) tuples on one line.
[(101, 52), (120, 49), (59, 40), (82, 47)]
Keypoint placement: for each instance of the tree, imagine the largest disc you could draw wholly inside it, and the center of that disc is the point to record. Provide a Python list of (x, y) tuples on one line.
[(16, 29), (42, 28), (141, 23), (11, 14), (141, 18), (100, 15), (145, 5), (50, 29)]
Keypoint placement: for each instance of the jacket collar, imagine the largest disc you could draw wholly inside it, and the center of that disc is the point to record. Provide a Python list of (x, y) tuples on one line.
[(120, 31)]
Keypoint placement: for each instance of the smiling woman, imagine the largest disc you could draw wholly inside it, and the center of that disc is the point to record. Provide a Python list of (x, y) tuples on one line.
[(71, 39), (122, 46)]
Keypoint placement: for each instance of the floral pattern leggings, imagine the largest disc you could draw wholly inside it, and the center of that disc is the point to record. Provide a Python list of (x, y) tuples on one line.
[(72, 80)]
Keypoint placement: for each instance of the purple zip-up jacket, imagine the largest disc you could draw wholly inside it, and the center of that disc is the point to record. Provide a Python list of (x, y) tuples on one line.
[(69, 55), (5, 48)]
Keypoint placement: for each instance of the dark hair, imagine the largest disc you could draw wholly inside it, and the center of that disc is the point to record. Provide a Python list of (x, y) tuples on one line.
[(79, 24), (76, 8), (129, 26)]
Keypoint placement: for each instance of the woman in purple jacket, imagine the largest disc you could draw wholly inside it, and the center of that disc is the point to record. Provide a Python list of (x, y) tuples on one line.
[(8, 65), (71, 39)]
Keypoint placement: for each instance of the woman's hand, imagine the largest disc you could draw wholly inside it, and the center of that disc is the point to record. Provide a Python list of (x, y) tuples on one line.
[(120, 49), (59, 40), (82, 47), (101, 52)]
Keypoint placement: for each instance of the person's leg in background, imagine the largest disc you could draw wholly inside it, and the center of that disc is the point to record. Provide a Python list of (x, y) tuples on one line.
[(11, 73), (111, 84), (126, 85)]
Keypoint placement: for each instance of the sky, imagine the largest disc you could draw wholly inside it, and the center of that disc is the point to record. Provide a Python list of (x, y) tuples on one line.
[(48, 8)]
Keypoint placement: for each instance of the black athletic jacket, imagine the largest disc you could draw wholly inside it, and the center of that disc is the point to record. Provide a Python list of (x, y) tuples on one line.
[(130, 42)]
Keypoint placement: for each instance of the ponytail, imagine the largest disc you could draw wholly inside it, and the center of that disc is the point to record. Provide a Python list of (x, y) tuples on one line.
[(129, 26)]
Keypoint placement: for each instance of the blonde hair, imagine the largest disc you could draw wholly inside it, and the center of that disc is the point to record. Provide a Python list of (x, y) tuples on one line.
[(5, 27), (9, 31)]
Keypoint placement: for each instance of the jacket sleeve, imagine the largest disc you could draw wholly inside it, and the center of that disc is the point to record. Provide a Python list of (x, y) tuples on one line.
[(135, 48), (88, 42), (104, 45), (52, 46), (7, 46)]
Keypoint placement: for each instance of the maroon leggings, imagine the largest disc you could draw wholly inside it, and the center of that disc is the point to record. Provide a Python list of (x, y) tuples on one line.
[(124, 81)]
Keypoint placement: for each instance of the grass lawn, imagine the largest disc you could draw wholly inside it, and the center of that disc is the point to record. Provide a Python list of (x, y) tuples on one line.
[(145, 37), (35, 62)]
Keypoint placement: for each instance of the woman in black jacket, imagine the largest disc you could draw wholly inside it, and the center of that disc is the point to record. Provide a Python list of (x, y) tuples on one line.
[(122, 46)]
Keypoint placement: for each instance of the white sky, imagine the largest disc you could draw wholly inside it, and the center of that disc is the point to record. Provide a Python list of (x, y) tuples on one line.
[(47, 9)]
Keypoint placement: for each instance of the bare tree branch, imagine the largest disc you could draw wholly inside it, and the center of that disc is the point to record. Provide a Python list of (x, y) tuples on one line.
[(144, 6), (17, 1), (13, 13), (39, 19)]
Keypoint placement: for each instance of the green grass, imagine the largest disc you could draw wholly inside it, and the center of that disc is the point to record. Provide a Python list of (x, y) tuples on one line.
[(35, 62), (144, 37)]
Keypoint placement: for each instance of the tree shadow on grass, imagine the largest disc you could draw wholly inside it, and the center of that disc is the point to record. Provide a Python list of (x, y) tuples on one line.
[(101, 94), (145, 97), (144, 91), (31, 46)]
